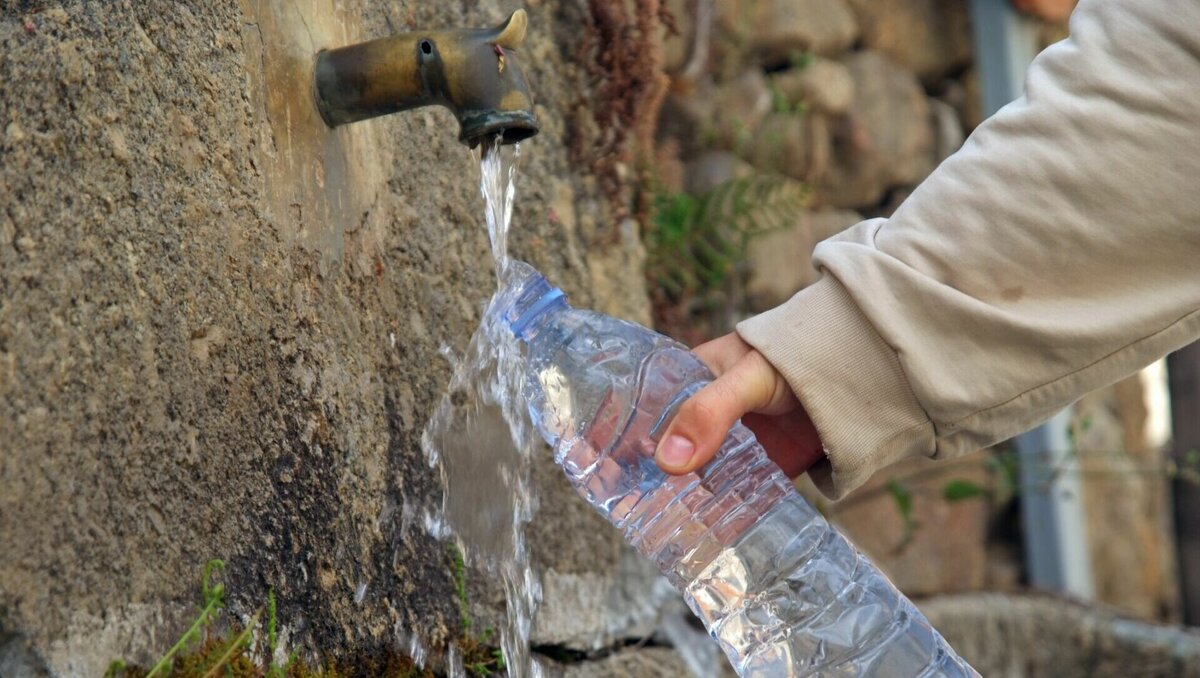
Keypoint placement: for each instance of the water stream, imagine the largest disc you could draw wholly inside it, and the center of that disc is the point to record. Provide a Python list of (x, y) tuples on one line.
[(481, 441), (498, 183)]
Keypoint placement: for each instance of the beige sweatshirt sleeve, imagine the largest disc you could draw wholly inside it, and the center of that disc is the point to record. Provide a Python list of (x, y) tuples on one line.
[(1056, 252)]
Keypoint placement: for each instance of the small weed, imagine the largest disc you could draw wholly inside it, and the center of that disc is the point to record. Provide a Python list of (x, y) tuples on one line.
[(960, 490), (1004, 482), (782, 104), (274, 670), (214, 600), (696, 242), (460, 587), (201, 653), (233, 652), (801, 60), (903, 499), (480, 657)]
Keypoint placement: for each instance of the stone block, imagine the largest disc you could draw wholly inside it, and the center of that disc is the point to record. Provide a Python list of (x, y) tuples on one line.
[(629, 663), (1126, 502), (687, 118), (948, 131), (796, 145), (713, 168), (1042, 636), (589, 610), (886, 138), (927, 37), (947, 548), (779, 262), (824, 85), (776, 31), (739, 105)]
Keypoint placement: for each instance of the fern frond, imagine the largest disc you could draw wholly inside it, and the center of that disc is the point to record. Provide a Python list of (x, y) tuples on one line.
[(697, 242)]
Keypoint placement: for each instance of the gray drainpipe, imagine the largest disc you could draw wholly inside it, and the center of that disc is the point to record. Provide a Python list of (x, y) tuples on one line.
[(1056, 549)]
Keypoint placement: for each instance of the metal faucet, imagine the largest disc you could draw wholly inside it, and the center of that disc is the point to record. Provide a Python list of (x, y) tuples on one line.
[(473, 72)]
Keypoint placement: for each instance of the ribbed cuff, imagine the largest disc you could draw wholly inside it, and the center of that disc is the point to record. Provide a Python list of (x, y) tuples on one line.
[(849, 381)]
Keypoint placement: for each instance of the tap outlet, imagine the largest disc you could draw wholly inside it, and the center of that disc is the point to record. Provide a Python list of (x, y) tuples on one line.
[(475, 73)]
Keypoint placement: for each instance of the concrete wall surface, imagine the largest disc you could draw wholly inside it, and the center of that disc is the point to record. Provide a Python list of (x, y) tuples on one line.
[(220, 323)]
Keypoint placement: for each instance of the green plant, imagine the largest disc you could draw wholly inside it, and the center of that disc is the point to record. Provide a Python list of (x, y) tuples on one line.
[(697, 242), (960, 490), (782, 104), (460, 587), (1003, 481), (480, 657), (213, 597), (198, 652), (903, 499), (274, 670), (801, 60), (234, 649)]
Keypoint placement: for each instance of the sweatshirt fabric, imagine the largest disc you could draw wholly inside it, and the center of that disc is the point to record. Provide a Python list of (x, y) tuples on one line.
[(1057, 252)]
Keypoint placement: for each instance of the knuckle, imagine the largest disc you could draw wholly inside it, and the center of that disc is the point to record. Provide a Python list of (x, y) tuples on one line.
[(699, 410), (758, 362), (755, 381), (729, 388)]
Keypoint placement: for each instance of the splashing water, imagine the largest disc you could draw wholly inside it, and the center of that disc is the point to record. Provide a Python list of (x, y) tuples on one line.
[(412, 644), (454, 663), (481, 440)]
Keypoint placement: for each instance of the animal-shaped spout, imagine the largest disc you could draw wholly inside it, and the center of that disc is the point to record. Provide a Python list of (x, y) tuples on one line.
[(473, 72)]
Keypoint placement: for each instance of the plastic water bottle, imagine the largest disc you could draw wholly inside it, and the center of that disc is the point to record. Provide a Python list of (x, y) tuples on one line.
[(779, 588)]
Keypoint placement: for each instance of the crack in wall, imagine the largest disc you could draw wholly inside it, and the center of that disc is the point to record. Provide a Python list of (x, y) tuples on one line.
[(566, 655), (300, 13), (262, 62)]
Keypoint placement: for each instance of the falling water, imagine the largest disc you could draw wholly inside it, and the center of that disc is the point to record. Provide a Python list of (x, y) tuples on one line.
[(498, 170), (481, 441)]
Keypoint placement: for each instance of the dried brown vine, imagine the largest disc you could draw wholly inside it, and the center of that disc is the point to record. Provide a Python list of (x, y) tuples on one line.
[(622, 55)]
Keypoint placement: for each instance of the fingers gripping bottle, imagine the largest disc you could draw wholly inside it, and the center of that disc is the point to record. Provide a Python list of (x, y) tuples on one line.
[(781, 591)]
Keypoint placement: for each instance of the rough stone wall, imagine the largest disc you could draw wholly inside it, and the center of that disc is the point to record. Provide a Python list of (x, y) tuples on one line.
[(1127, 500), (859, 100), (1036, 636), (220, 322)]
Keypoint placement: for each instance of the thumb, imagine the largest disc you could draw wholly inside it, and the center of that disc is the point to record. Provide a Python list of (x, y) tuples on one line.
[(703, 422)]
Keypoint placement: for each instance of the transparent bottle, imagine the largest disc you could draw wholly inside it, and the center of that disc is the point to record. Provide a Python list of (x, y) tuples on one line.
[(780, 589)]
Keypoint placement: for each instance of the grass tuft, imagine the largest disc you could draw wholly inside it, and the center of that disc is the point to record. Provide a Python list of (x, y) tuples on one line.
[(203, 652)]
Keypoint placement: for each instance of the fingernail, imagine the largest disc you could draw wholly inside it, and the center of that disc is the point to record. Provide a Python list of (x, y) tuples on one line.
[(676, 451)]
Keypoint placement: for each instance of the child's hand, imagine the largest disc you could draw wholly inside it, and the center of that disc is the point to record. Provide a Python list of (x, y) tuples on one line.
[(747, 388)]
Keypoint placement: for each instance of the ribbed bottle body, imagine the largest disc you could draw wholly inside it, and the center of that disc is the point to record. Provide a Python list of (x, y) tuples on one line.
[(779, 588)]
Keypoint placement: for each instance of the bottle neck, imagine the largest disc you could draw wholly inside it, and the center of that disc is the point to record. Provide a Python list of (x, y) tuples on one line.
[(534, 300), (527, 324)]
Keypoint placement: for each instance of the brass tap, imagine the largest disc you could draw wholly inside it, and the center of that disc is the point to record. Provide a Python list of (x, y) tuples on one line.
[(473, 72)]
